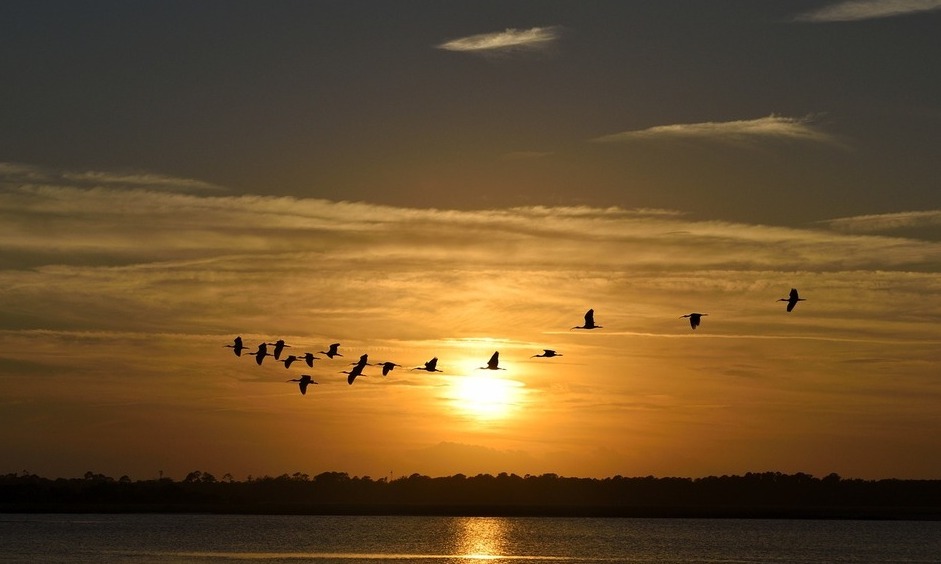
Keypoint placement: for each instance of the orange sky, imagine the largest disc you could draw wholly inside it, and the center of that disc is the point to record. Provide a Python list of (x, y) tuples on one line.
[(417, 180), (116, 362)]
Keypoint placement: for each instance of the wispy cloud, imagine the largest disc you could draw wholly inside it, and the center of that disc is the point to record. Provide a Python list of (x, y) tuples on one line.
[(855, 10), (508, 40), (741, 131), (17, 174), (876, 223)]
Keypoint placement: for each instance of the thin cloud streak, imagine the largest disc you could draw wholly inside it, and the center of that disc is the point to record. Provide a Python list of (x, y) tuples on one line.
[(127, 227), (741, 131), (875, 223), (510, 39), (856, 10)]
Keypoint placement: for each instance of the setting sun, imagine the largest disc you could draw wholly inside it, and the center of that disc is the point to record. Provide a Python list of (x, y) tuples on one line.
[(485, 396)]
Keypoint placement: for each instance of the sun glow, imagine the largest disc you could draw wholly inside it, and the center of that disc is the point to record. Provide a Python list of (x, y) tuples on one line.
[(485, 396)]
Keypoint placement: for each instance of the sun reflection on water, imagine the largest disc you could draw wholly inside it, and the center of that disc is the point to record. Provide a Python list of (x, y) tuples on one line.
[(481, 538)]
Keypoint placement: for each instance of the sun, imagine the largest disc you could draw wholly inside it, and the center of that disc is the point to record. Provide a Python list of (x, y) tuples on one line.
[(485, 396)]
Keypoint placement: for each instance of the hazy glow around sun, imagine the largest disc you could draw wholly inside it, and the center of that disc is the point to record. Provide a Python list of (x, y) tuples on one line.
[(485, 396)]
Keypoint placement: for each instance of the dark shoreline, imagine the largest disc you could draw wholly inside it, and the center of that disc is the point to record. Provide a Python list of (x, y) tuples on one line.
[(809, 513), (769, 495)]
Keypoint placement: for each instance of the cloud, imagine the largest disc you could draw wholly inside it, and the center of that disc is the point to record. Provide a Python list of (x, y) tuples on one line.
[(17, 174), (855, 10), (886, 222), (771, 127), (508, 40)]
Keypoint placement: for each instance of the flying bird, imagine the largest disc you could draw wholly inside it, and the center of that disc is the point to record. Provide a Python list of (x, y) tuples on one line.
[(236, 346), (309, 358), (302, 382), (363, 361), (278, 348), (694, 318), (493, 363), (430, 366), (352, 374), (387, 367), (792, 299), (332, 351), (289, 360), (261, 353), (589, 321), (547, 353)]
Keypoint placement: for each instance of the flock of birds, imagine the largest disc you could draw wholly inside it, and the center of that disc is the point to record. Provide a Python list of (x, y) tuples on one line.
[(308, 358)]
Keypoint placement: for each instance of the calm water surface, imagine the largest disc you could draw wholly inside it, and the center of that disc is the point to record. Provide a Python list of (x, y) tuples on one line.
[(363, 540)]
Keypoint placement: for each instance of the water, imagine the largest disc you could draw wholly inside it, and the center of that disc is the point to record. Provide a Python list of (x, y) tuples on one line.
[(363, 540)]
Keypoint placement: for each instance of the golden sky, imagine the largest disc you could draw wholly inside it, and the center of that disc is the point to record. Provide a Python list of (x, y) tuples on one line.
[(414, 180), (114, 355)]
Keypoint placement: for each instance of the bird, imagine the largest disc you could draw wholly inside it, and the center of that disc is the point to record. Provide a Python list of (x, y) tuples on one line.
[(289, 360), (547, 353), (493, 363), (694, 318), (302, 382), (357, 369), (386, 367), (589, 321), (309, 358), (430, 366), (363, 361), (278, 347), (352, 374), (332, 351), (236, 346), (792, 299), (261, 353)]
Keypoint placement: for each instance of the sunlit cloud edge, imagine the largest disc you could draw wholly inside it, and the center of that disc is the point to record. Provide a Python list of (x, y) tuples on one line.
[(509, 39), (873, 223), (858, 10), (770, 127)]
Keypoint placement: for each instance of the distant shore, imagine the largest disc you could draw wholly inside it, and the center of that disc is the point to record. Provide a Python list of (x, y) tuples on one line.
[(768, 495), (835, 513)]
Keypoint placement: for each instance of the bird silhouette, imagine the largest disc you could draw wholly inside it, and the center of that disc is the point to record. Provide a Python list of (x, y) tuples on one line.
[(236, 346), (589, 321), (494, 362), (694, 318), (792, 299), (386, 367), (357, 369), (261, 353), (363, 361), (430, 366), (547, 353), (309, 358), (302, 382), (289, 360), (352, 374), (332, 351), (278, 348)]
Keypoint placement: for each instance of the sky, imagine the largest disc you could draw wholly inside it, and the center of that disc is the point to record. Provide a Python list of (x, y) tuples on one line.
[(424, 179)]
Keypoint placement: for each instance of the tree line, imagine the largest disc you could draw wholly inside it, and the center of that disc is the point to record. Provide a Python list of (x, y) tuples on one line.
[(767, 494)]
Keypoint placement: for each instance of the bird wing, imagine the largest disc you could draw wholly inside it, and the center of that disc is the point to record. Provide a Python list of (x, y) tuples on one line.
[(494, 360)]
